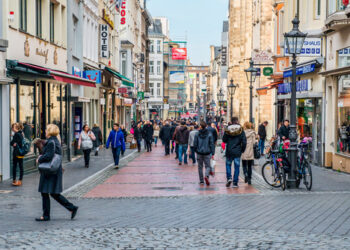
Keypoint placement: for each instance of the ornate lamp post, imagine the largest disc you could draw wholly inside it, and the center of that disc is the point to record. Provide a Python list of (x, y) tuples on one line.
[(251, 73), (294, 42), (232, 89)]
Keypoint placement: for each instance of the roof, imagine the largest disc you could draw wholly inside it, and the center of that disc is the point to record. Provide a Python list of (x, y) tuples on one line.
[(156, 28)]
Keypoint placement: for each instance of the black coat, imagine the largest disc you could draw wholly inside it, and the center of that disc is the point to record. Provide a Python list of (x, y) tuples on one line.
[(204, 143), (51, 184), (283, 131), (148, 132), (138, 133), (98, 134), (165, 133), (173, 128), (262, 132), (214, 133), (235, 140), (18, 139), (182, 135)]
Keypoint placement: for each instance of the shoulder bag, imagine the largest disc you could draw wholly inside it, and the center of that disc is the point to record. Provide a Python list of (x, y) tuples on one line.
[(52, 166)]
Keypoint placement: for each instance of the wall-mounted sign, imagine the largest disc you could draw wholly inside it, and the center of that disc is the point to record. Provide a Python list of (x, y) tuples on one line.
[(281, 64), (123, 12), (312, 47), (92, 75), (177, 77), (140, 95), (107, 19), (301, 70), (267, 71), (223, 56), (127, 101), (76, 72), (286, 88), (179, 53), (122, 90), (104, 40), (262, 56)]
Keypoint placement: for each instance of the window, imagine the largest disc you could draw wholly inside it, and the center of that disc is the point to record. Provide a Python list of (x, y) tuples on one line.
[(343, 123), (23, 15), (151, 67), (336, 5), (52, 22), (151, 88), (317, 9), (158, 89), (75, 39), (158, 68), (344, 57), (151, 47), (38, 19), (158, 46), (124, 63)]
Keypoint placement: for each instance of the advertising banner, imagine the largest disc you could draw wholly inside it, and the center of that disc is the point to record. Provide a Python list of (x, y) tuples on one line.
[(92, 75), (286, 88), (177, 77), (192, 75), (179, 53), (311, 47), (300, 70)]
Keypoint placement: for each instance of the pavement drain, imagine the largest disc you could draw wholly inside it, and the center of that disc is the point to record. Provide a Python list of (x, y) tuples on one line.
[(167, 188)]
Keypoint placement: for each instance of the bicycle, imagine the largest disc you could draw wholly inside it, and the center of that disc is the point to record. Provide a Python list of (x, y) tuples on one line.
[(304, 171)]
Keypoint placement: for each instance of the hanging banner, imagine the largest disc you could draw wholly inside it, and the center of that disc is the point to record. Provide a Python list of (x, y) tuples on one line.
[(179, 53), (177, 77)]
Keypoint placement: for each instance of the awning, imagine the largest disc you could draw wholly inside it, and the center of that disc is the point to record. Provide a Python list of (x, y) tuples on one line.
[(304, 67), (336, 72), (125, 81), (5, 80), (54, 74), (263, 90)]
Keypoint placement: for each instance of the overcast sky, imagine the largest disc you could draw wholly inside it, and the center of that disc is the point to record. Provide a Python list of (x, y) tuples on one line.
[(199, 20)]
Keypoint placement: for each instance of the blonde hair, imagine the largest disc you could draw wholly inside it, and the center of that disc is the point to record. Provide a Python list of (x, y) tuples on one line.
[(52, 130), (248, 125)]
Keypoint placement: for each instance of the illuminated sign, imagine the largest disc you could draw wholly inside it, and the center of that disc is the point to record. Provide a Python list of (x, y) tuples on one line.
[(104, 40), (179, 53)]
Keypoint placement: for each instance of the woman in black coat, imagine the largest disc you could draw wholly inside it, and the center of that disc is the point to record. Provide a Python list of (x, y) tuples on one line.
[(17, 159), (148, 133), (138, 136), (52, 184), (98, 134)]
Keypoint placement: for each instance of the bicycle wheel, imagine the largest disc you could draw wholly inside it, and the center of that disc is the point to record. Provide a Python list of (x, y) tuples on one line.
[(307, 176), (283, 178), (269, 175)]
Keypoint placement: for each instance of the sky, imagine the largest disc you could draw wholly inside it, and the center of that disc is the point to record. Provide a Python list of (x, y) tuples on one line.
[(199, 20)]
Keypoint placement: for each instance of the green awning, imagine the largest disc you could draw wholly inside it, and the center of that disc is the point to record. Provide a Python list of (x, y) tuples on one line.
[(125, 81)]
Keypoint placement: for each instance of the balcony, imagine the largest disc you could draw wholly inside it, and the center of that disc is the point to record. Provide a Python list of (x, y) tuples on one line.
[(338, 17)]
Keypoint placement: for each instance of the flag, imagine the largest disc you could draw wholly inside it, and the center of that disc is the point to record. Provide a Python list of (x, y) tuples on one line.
[(118, 4)]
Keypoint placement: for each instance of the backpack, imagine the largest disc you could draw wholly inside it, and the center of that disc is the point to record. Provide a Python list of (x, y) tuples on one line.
[(25, 147)]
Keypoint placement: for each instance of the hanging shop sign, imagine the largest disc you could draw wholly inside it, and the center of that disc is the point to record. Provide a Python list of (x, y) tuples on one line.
[(267, 71), (179, 53), (177, 77), (262, 56), (107, 19), (123, 12), (281, 64), (122, 90), (92, 75), (140, 95), (76, 72), (104, 41), (301, 70), (311, 48), (286, 88), (223, 56), (127, 101)]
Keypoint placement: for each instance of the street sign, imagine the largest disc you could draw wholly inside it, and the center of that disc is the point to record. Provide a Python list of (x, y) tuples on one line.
[(311, 47), (267, 71)]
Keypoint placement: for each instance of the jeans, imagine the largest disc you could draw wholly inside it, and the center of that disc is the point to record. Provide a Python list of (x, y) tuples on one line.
[(138, 145), (203, 160), (167, 146), (237, 163), (262, 146), (247, 168), (183, 152), (59, 198), (19, 162), (116, 154), (193, 155), (87, 156), (155, 140)]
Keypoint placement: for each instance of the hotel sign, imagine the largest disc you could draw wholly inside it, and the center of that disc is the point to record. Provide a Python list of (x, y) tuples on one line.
[(104, 40)]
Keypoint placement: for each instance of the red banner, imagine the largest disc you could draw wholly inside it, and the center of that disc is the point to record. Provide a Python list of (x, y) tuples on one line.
[(179, 53)]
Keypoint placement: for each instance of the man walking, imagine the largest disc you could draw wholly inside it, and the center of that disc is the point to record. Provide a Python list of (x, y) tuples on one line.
[(181, 137), (148, 132), (205, 149), (193, 134), (165, 136), (283, 132), (236, 143), (116, 139), (262, 136)]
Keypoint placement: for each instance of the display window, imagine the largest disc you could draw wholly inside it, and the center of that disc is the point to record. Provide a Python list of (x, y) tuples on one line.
[(343, 123)]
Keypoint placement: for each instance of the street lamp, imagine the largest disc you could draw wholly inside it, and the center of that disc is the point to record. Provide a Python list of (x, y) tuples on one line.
[(294, 42), (251, 73), (232, 89)]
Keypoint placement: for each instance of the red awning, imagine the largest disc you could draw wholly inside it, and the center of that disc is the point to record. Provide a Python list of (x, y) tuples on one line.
[(61, 76)]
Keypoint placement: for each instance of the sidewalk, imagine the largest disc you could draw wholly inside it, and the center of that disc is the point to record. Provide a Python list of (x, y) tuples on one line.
[(74, 173)]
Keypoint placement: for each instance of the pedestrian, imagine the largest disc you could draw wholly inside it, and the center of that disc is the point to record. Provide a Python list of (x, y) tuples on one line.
[(116, 140), (182, 136), (236, 143), (262, 136), (283, 132), (51, 185), (173, 128), (213, 130), (165, 136), (148, 133), (86, 139), (193, 134), (138, 136), (125, 133), (17, 158), (205, 148), (156, 130), (98, 134), (248, 154)]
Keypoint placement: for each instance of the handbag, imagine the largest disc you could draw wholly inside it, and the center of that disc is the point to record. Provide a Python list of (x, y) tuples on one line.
[(257, 154), (53, 166)]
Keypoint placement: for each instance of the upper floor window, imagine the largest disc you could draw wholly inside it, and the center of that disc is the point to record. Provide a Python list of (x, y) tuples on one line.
[(344, 57), (158, 89), (337, 5), (151, 67), (158, 68), (151, 88), (38, 18), (23, 15), (317, 9), (158, 46), (52, 22), (123, 54), (75, 38), (151, 47)]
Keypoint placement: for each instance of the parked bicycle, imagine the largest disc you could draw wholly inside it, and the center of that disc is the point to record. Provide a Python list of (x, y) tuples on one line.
[(304, 171)]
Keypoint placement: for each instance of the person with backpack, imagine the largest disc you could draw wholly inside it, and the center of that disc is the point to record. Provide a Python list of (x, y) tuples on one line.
[(236, 143), (205, 148), (181, 137), (17, 154), (86, 139), (98, 134), (165, 136), (116, 140)]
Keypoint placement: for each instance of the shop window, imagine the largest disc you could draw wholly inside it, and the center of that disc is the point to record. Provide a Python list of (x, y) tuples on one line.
[(343, 141), (344, 57), (23, 15), (13, 108), (26, 111), (38, 18)]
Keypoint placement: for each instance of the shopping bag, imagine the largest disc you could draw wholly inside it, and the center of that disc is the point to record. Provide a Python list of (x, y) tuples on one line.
[(133, 141), (212, 167)]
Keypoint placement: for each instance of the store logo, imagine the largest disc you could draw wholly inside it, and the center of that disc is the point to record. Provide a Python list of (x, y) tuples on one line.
[(123, 13)]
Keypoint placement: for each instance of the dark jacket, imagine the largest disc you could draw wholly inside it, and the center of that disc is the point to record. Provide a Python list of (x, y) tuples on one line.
[(165, 133), (235, 140), (182, 135), (116, 139), (148, 132), (138, 133), (283, 131), (204, 143), (173, 128), (18, 139), (51, 184), (125, 133), (98, 134), (214, 133), (262, 132)]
